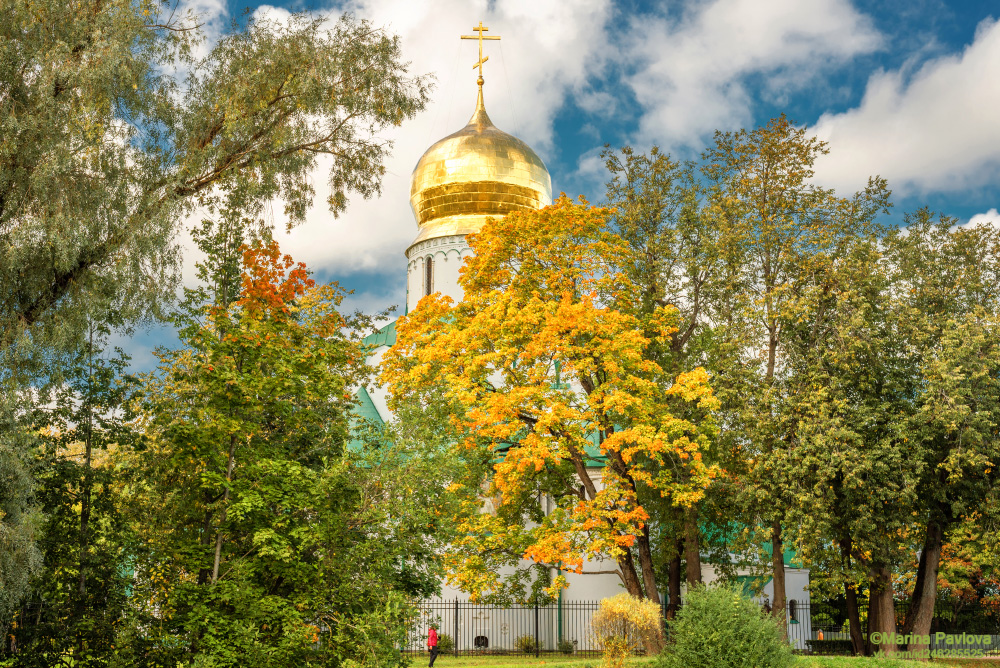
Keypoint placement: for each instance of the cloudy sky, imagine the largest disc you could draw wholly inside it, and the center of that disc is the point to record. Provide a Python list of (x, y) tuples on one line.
[(907, 89)]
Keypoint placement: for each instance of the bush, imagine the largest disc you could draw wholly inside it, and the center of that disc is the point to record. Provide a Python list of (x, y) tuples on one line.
[(623, 624), (719, 627), (565, 646), (823, 620), (446, 643), (525, 643)]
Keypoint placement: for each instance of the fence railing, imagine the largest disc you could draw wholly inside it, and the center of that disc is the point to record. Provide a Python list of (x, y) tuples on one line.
[(824, 630), (467, 628), (471, 628)]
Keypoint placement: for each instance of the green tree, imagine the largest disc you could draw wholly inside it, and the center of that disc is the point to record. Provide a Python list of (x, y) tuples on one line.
[(266, 540), (107, 151), (895, 400), (20, 518), (947, 286), (80, 599), (852, 471), (775, 225), (112, 132)]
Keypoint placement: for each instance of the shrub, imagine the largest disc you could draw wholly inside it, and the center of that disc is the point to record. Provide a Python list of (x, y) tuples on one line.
[(446, 643), (719, 627), (565, 646), (525, 643), (822, 620), (623, 624)]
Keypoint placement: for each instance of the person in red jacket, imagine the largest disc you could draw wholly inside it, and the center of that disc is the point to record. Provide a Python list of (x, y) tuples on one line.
[(432, 643)]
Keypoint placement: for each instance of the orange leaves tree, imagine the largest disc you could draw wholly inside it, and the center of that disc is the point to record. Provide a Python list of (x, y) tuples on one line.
[(563, 418)]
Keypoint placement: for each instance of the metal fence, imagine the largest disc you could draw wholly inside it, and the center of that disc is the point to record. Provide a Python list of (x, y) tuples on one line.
[(467, 628), (825, 629)]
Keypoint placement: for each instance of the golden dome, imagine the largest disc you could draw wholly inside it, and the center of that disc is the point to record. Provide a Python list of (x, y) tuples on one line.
[(474, 174)]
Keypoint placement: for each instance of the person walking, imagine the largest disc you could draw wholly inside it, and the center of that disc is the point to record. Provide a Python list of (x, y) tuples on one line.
[(432, 644)]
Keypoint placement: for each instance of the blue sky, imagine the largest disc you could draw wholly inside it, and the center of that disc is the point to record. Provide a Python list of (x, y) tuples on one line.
[(907, 89)]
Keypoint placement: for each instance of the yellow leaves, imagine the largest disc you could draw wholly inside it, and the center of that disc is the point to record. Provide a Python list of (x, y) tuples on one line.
[(538, 363)]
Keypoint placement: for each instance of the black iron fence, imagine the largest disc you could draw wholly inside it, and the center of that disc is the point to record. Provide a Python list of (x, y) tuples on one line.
[(467, 628), (824, 629)]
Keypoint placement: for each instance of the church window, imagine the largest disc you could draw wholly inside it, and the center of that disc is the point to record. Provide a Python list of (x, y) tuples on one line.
[(428, 275)]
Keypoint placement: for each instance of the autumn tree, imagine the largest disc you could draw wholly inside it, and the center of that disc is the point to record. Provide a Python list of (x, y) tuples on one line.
[(553, 390), (657, 208), (775, 224), (264, 539)]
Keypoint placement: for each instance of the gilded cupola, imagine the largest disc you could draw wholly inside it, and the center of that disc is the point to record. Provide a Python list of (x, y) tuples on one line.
[(473, 174)]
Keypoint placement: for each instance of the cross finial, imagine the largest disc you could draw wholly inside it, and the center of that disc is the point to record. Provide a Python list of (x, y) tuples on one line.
[(480, 29)]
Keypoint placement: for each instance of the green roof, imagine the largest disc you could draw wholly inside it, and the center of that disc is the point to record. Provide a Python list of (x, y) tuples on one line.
[(363, 414), (751, 584), (383, 337), (365, 409)]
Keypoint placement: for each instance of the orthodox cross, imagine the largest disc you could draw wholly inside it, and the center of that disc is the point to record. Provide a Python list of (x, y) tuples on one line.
[(480, 29)]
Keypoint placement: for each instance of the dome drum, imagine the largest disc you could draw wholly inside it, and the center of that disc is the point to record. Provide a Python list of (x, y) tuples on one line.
[(487, 198)]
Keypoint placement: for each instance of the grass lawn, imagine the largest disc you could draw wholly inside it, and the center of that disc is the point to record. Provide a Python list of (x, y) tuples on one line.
[(525, 661), (557, 661), (867, 662)]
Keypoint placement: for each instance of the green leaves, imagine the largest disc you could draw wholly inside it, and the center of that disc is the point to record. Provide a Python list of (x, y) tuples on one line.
[(106, 151)]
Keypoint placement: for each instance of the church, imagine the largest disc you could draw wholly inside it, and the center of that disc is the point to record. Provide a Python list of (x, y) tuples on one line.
[(458, 183)]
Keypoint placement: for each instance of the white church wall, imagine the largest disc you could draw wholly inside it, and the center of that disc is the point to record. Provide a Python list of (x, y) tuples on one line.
[(447, 254)]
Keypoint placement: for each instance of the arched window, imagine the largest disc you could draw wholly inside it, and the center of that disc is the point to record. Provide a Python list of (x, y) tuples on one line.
[(793, 611), (428, 275)]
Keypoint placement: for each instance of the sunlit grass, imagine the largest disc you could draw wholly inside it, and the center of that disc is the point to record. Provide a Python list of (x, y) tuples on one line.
[(562, 661)]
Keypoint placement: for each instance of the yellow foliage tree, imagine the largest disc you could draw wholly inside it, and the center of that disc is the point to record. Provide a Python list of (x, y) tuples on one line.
[(550, 391)]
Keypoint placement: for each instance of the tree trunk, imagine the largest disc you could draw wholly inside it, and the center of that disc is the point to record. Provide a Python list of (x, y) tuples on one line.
[(653, 642), (626, 567), (225, 498), (85, 505), (778, 575), (206, 538), (646, 564), (692, 547), (674, 580), (882, 606), (854, 620), (871, 625), (88, 479), (921, 612), (851, 596)]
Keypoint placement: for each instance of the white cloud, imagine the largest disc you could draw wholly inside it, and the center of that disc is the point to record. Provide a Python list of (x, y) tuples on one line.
[(211, 15), (935, 130), (991, 217), (690, 69)]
